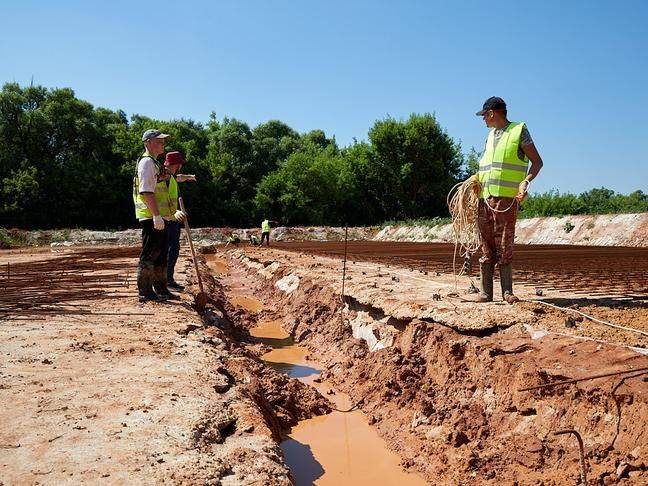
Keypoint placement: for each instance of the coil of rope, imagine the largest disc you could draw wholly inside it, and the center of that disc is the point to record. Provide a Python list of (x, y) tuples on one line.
[(463, 201)]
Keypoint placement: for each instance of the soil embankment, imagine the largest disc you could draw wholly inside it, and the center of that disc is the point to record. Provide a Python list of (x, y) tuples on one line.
[(595, 230), (442, 384), (586, 230)]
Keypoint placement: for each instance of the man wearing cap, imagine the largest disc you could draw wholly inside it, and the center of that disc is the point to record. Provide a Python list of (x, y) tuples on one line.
[(173, 163), (504, 175), (152, 208)]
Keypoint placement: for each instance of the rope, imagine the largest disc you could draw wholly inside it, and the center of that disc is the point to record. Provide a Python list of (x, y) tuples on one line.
[(605, 323), (463, 200), (463, 203)]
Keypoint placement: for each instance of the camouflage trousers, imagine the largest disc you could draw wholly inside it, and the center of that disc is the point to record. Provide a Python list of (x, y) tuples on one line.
[(497, 230)]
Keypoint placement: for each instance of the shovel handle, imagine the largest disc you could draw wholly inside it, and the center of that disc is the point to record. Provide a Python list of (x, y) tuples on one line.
[(193, 252)]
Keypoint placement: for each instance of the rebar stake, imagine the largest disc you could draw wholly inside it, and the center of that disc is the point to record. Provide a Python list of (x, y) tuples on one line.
[(581, 449)]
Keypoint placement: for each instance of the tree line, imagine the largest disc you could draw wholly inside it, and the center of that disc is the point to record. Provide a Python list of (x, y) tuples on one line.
[(65, 163)]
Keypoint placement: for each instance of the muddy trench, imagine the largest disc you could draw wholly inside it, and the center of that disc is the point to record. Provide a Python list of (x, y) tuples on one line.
[(336, 444), (430, 405)]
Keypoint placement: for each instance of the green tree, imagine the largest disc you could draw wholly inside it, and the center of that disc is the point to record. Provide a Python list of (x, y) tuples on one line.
[(418, 163)]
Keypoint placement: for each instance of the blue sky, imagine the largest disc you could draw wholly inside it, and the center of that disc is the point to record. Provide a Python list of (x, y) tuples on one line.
[(575, 71)]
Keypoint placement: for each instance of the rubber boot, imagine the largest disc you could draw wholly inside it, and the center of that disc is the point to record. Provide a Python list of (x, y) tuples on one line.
[(160, 282), (485, 282), (145, 282), (506, 279)]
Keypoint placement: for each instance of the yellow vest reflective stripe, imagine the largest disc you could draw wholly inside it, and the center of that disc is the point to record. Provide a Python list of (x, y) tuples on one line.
[(161, 197), (500, 169), (265, 226)]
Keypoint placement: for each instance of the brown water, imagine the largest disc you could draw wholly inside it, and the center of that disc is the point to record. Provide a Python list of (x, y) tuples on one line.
[(248, 303), (335, 449), (216, 264)]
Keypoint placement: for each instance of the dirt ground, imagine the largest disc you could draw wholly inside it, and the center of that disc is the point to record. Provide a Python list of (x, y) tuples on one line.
[(138, 393), (107, 389)]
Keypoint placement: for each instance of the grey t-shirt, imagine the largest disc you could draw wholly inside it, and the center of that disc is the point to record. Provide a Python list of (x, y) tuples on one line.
[(525, 139)]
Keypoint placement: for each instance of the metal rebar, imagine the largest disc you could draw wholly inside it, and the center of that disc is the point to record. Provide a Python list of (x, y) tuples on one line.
[(345, 260), (575, 380), (581, 450)]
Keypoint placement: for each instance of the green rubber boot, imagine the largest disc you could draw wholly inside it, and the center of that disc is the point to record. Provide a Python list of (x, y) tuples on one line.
[(485, 282), (506, 279)]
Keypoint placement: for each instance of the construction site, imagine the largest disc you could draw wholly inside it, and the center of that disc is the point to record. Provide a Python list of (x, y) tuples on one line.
[(320, 360), (342, 243)]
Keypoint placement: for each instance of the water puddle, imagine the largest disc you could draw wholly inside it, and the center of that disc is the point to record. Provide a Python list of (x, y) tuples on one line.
[(334, 449), (285, 356), (248, 303), (216, 264)]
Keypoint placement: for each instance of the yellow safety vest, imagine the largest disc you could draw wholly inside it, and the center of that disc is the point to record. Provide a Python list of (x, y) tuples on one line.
[(500, 168), (265, 226), (173, 193), (161, 196)]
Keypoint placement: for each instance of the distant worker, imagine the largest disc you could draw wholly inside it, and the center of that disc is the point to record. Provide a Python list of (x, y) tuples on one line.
[(152, 209), (254, 240), (233, 239), (172, 164), (265, 231), (504, 175)]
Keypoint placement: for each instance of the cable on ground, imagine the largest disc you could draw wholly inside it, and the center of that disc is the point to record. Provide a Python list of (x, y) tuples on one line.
[(605, 323)]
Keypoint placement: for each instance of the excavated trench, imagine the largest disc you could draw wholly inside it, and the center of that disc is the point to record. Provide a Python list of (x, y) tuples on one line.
[(431, 400), (336, 448)]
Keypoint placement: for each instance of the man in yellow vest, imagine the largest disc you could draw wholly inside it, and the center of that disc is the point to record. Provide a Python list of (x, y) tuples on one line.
[(172, 164), (152, 209), (504, 175), (265, 231)]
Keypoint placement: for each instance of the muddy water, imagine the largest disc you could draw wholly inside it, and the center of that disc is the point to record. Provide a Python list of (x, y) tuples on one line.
[(216, 264), (339, 448), (334, 449)]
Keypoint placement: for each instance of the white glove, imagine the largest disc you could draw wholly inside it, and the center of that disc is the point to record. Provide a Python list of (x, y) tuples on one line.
[(180, 216), (158, 223)]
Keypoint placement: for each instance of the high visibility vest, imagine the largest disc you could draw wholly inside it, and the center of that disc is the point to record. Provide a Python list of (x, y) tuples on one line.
[(265, 226), (161, 196), (500, 168), (173, 193)]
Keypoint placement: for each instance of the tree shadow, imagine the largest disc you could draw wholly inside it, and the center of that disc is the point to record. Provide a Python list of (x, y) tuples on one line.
[(277, 342), (302, 463)]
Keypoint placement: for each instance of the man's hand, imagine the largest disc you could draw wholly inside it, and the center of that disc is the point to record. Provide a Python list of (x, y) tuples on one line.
[(180, 216), (158, 222), (186, 178), (522, 190)]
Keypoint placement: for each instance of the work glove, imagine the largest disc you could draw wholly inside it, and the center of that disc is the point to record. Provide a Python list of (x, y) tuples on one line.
[(158, 223), (180, 216)]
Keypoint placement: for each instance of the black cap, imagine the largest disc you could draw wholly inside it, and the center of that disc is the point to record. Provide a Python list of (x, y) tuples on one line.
[(492, 103)]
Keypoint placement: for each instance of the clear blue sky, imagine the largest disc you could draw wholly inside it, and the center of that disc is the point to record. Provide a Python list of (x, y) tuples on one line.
[(575, 71)]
